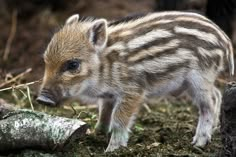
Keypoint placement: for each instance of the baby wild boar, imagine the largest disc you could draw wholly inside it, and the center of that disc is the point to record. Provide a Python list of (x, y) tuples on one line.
[(121, 64)]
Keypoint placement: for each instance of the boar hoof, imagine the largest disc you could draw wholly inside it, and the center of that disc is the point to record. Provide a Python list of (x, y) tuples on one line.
[(201, 140)]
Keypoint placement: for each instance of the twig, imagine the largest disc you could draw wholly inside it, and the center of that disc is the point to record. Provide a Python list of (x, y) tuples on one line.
[(221, 81), (20, 86), (29, 97), (16, 97), (22, 92), (11, 36), (74, 110), (80, 107), (147, 108), (80, 114), (16, 77)]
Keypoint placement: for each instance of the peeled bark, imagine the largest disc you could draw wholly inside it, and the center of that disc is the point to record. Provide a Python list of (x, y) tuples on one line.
[(228, 121), (20, 129)]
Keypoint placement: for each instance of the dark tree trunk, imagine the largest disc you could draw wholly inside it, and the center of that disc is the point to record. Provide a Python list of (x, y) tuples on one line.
[(228, 121)]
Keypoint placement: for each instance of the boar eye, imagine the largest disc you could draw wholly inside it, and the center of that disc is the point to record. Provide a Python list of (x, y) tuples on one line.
[(71, 65)]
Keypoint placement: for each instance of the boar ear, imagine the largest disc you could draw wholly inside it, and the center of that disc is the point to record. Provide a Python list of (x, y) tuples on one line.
[(72, 19), (98, 34)]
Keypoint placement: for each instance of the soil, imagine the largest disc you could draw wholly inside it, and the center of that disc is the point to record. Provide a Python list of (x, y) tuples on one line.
[(166, 131)]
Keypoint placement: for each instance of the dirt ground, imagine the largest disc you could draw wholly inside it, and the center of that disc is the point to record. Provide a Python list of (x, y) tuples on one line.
[(166, 131)]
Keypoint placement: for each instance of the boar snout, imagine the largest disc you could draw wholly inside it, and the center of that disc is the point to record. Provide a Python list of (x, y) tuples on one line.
[(46, 98)]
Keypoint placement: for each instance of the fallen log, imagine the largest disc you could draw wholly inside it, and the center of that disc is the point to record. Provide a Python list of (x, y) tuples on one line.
[(21, 129), (228, 121)]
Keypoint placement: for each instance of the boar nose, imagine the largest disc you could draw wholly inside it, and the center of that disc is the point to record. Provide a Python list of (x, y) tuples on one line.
[(46, 97), (42, 99)]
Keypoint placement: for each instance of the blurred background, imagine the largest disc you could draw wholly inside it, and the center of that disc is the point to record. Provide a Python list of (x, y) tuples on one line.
[(27, 26)]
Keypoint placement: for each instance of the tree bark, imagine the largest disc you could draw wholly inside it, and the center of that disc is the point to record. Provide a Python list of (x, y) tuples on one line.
[(228, 121), (20, 129)]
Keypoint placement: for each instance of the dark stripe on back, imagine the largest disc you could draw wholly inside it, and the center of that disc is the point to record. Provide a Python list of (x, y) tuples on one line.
[(168, 52), (153, 78), (173, 17), (128, 18), (141, 30), (158, 42), (193, 44), (158, 18), (188, 42)]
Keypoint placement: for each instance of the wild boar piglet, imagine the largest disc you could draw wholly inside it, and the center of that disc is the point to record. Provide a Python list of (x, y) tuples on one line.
[(121, 64)]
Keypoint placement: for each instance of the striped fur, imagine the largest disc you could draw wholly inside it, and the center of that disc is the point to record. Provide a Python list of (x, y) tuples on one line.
[(123, 63)]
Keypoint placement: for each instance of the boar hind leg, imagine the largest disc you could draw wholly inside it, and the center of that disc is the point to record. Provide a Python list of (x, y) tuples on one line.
[(105, 107), (122, 119), (205, 97), (217, 100)]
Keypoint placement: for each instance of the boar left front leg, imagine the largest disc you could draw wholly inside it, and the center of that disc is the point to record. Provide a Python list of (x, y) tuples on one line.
[(122, 119), (105, 107)]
